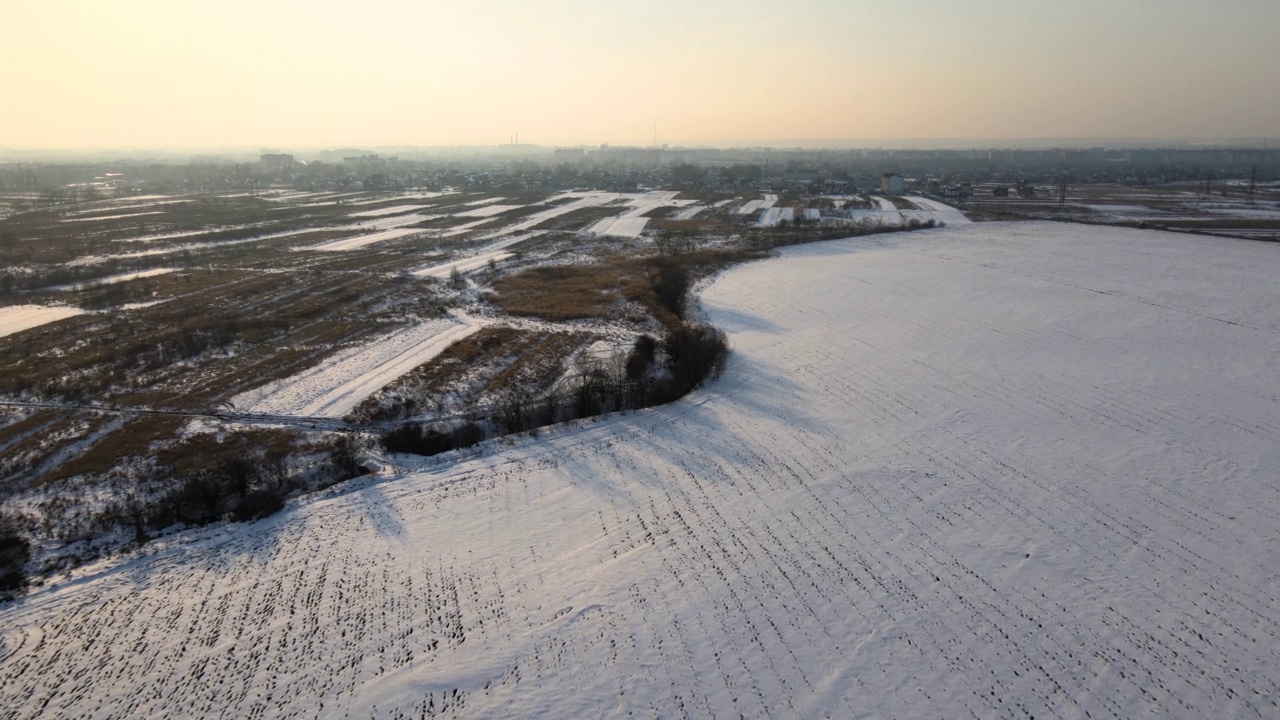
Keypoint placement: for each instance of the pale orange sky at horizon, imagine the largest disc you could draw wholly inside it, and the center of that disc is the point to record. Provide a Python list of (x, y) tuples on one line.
[(142, 73)]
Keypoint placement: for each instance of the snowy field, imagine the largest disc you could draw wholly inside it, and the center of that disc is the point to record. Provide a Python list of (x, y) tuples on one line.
[(630, 222), (689, 213), (112, 217), (487, 210), (112, 279), (422, 194), (335, 386), (580, 200), (620, 226), (888, 214), (393, 210), (16, 318), (359, 241), (496, 251), (772, 216), (999, 470)]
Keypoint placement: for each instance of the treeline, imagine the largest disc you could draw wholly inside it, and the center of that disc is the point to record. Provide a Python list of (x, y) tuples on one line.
[(797, 234), (15, 551), (246, 483), (654, 371)]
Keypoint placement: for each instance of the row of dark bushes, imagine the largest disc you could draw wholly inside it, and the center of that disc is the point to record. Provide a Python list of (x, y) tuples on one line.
[(654, 372), (15, 551), (240, 488), (765, 239)]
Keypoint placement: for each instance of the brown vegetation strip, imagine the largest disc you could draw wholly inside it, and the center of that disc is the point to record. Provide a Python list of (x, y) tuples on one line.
[(488, 362), (134, 439), (569, 292)]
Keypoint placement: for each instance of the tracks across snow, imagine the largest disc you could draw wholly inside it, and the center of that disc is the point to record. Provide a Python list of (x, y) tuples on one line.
[(991, 471), (335, 386)]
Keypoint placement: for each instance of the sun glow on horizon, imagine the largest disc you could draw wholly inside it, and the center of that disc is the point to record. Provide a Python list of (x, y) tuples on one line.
[(392, 72)]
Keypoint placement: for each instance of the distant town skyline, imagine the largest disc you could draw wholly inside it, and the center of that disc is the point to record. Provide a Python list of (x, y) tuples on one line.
[(163, 75)]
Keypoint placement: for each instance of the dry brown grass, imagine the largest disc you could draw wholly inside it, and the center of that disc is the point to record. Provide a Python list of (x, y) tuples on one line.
[(133, 439), (570, 292), (29, 425), (540, 362), (696, 225), (576, 219)]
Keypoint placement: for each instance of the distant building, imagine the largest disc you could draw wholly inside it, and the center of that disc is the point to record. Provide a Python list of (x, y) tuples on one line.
[(277, 160), (891, 184), (569, 154), (1000, 191)]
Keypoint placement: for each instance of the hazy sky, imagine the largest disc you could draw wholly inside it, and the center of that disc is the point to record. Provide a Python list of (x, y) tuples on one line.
[(276, 73)]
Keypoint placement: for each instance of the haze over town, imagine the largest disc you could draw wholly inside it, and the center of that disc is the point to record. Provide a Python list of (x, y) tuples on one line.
[(158, 74)]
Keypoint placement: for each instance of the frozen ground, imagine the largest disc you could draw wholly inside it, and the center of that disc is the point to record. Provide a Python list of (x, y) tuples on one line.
[(334, 387), (986, 471), (16, 318)]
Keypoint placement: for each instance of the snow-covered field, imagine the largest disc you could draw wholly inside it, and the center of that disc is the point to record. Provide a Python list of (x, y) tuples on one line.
[(495, 251), (630, 222), (620, 226), (772, 216), (932, 209), (393, 210), (112, 217), (888, 214), (360, 241), (487, 210), (16, 318), (112, 279), (335, 386), (580, 200), (999, 470), (688, 213), (886, 205), (423, 194)]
